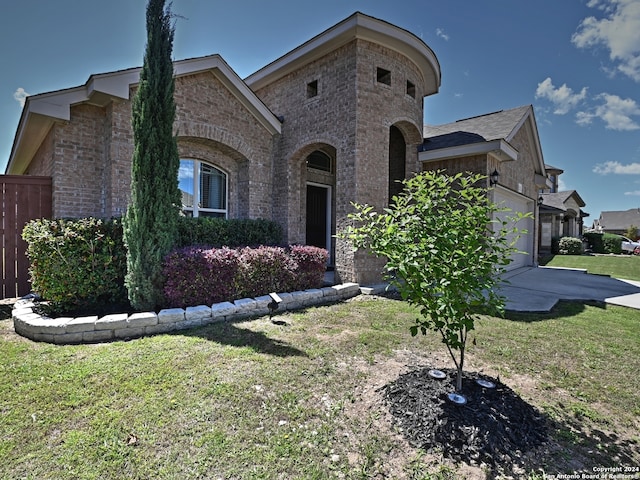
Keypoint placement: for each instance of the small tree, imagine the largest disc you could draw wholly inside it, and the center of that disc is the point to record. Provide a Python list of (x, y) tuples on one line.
[(150, 226), (444, 252), (632, 233)]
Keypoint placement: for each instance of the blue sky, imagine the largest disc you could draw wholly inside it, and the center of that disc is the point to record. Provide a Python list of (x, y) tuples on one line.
[(576, 61)]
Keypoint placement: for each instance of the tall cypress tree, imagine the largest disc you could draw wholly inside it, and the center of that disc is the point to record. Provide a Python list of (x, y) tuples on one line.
[(150, 224)]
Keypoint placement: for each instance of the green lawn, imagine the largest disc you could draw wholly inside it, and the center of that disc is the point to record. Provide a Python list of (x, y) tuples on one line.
[(256, 400), (617, 266)]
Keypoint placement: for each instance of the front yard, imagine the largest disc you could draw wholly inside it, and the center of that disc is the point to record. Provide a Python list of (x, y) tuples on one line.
[(617, 266), (300, 400)]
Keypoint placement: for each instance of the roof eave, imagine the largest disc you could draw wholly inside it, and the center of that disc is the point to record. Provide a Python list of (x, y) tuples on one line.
[(357, 26), (499, 149), (42, 111)]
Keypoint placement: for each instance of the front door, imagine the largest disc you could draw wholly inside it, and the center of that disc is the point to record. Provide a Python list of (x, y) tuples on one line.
[(318, 216)]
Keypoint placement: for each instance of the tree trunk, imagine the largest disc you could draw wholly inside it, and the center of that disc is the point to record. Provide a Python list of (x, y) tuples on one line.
[(460, 368)]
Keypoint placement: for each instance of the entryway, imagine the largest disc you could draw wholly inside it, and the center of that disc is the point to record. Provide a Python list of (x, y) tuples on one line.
[(318, 227)]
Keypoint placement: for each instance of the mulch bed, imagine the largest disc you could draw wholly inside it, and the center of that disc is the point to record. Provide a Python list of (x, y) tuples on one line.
[(495, 427)]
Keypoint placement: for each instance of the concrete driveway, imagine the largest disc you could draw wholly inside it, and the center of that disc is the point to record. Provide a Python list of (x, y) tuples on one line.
[(532, 289)]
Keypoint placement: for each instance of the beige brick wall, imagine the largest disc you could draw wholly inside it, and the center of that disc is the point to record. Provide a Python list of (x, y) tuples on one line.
[(78, 163), (351, 116), (522, 171), (89, 157)]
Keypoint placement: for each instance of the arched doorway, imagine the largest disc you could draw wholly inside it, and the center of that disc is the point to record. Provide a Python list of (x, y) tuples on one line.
[(397, 161), (320, 211)]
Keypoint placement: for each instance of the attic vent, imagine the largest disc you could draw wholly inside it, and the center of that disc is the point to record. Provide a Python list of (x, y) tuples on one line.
[(383, 76), (312, 89), (411, 89)]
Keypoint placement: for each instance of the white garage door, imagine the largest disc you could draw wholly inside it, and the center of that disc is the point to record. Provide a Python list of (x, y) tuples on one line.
[(518, 203)]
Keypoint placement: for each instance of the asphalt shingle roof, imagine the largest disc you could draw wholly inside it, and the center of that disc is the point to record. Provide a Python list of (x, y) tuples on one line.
[(620, 220), (483, 128)]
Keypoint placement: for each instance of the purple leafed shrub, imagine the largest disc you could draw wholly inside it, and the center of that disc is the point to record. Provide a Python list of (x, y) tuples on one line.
[(312, 263), (200, 276), (266, 269), (204, 276)]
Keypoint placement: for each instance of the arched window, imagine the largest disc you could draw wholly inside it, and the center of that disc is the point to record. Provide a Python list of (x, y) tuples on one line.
[(320, 161), (204, 189)]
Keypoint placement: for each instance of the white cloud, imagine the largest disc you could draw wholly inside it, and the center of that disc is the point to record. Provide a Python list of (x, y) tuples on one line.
[(562, 186), (635, 193), (563, 97), (20, 96), (441, 33), (617, 168), (185, 171), (617, 113), (618, 31)]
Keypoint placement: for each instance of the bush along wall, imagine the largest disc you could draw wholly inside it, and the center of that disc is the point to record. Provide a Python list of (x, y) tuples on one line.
[(80, 264), (200, 276), (612, 243), (604, 242), (595, 241), (220, 232), (77, 263), (570, 246)]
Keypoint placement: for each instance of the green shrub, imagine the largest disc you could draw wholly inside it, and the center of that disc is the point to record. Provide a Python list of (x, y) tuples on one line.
[(81, 264), (612, 243), (570, 246), (595, 240), (220, 232), (631, 232), (77, 263), (555, 245)]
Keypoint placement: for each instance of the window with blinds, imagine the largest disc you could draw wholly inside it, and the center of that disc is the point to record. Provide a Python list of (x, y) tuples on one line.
[(204, 189)]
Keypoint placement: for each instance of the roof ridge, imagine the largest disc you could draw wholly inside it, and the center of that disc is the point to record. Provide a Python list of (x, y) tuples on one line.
[(478, 116)]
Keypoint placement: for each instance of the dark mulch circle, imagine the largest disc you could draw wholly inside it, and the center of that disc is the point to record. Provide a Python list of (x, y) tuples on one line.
[(495, 427)]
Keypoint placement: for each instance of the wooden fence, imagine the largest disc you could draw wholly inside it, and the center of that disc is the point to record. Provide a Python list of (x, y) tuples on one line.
[(24, 198)]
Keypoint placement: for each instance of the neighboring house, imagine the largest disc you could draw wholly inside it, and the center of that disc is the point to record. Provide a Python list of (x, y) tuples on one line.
[(561, 215), (505, 142), (617, 222)]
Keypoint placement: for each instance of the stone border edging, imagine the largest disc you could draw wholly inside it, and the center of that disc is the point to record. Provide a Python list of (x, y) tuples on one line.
[(120, 326)]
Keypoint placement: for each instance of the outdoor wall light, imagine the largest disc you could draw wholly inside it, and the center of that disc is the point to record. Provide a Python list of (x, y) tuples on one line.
[(540, 200), (493, 178)]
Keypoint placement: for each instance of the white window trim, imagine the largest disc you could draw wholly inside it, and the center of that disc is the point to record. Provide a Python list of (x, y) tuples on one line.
[(329, 214), (196, 209)]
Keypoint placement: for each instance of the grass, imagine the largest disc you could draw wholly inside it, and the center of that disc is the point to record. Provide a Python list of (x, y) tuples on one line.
[(617, 266), (255, 400)]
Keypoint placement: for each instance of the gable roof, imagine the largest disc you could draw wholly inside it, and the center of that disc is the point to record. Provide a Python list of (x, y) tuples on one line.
[(41, 111), (552, 169), (502, 124), (619, 220), (488, 134), (558, 200), (357, 26), (482, 134)]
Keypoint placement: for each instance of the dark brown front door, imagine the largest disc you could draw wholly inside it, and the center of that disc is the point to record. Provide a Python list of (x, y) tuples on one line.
[(317, 216)]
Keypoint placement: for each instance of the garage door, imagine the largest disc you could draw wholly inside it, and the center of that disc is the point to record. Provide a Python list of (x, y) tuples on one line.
[(518, 203)]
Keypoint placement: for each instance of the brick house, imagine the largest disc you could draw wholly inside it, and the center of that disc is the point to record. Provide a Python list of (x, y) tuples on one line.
[(617, 221), (336, 120), (507, 143), (561, 213)]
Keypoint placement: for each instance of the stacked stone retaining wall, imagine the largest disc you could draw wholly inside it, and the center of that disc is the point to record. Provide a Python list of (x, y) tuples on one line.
[(122, 326)]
